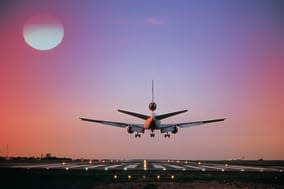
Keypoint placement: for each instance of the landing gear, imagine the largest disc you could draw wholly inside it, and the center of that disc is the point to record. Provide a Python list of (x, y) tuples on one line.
[(137, 135), (152, 135), (167, 135)]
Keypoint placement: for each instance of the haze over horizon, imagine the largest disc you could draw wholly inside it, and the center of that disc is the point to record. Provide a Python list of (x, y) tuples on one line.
[(215, 58)]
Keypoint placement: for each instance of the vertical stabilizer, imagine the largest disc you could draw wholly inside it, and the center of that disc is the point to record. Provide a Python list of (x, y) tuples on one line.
[(152, 90), (152, 105)]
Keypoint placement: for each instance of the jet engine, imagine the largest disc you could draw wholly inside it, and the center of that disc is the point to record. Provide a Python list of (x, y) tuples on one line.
[(130, 130), (152, 106), (175, 130)]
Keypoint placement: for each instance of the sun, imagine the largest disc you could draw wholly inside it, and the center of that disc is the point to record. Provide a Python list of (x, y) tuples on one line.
[(43, 32)]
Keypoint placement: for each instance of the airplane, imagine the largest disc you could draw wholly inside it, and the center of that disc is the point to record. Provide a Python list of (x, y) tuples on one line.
[(152, 122)]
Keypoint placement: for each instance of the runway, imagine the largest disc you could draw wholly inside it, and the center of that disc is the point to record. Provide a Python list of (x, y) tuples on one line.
[(146, 165), (141, 174)]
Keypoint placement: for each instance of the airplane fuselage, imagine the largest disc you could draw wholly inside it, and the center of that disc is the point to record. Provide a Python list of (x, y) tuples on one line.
[(152, 123)]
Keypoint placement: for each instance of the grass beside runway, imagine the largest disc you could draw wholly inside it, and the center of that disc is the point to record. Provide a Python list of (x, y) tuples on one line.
[(41, 178)]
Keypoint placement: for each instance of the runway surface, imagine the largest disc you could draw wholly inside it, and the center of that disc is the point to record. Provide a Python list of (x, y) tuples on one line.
[(147, 165)]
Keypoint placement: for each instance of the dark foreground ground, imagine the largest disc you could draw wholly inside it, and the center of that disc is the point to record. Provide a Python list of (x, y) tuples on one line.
[(116, 179)]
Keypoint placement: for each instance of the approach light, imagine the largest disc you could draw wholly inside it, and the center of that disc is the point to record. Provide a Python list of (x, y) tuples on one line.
[(115, 177), (145, 165), (172, 177), (158, 177), (129, 177)]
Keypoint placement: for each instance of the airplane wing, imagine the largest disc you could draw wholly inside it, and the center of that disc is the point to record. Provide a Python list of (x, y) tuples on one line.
[(197, 123), (171, 127), (135, 127)]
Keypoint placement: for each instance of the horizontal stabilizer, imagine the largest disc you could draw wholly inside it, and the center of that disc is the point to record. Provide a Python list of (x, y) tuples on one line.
[(163, 116), (141, 116)]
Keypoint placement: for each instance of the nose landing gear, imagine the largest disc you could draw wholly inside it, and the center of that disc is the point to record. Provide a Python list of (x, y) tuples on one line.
[(167, 135), (137, 135), (152, 135)]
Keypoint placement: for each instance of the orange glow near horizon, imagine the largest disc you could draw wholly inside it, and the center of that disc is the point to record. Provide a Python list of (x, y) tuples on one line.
[(215, 66)]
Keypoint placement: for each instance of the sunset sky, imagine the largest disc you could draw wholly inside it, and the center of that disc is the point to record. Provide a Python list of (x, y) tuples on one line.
[(215, 58)]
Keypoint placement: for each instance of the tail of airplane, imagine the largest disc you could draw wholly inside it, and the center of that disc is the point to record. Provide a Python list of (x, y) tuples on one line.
[(152, 90), (152, 107)]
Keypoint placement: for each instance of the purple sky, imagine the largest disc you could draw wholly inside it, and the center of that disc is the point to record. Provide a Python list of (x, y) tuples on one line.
[(215, 58)]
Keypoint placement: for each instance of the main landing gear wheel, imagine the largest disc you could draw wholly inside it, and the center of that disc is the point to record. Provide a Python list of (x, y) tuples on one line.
[(137, 135), (152, 135), (167, 135)]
